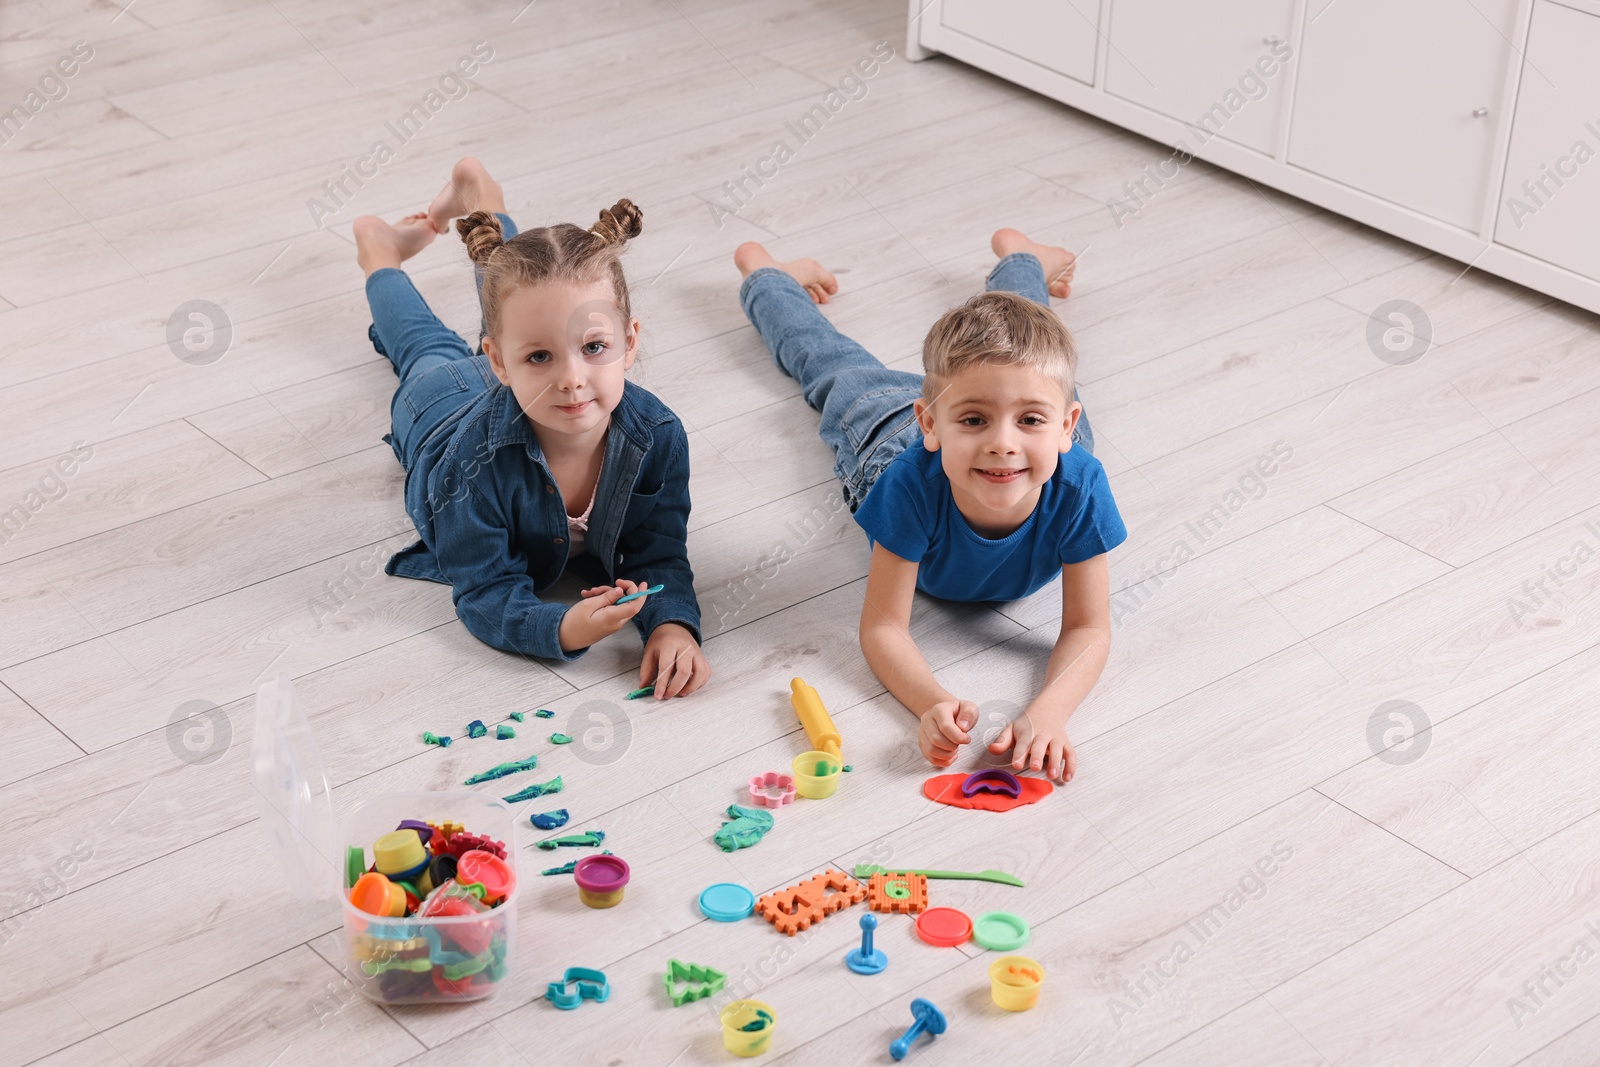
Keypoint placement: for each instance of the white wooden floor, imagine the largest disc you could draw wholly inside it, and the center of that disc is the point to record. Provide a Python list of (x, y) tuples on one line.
[(1431, 538)]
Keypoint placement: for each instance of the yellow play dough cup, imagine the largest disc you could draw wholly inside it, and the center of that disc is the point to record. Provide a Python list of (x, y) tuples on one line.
[(1014, 982), (740, 1014), (816, 774)]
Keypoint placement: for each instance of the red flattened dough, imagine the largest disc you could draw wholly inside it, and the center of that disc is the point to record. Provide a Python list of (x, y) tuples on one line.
[(946, 789)]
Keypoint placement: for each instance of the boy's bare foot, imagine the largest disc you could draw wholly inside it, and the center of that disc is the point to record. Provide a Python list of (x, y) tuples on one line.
[(1059, 264), (380, 244), (469, 189), (812, 276)]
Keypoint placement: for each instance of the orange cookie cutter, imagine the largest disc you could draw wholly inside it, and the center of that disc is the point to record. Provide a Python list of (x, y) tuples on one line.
[(881, 896), (796, 908)]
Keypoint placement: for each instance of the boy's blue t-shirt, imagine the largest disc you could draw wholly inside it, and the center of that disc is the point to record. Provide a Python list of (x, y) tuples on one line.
[(911, 512)]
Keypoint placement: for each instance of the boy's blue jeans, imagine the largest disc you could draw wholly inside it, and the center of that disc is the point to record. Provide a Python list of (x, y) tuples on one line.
[(439, 374), (866, 408)]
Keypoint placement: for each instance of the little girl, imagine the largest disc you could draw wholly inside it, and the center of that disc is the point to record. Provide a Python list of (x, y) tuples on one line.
[(538, 450)]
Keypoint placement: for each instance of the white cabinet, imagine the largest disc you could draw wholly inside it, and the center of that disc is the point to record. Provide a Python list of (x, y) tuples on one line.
[(1400, 99), (1218, 65), (1550, 196), (1060, 35)]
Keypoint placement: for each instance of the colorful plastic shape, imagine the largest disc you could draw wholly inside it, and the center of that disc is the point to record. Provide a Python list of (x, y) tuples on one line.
[(475, 728), (896, 892), (641, 593), (642, 691), (560, 739), (1014, 982), (726, 902), (809, 709), (688, 982), (601, 880), (866, 959), (500, 770), (796, 908), (747, 1027), (816, 775), (946, 789), (461, 842), (867, 870), (544, 713), (505, 732), (999, 782), (587, 839), (540, 789), (927, 1019), (1000, 931), (488, 870), (374, 894), (944, 927), (355, 865), (771, 790), (748, 827), (577, 985), (550, 820)]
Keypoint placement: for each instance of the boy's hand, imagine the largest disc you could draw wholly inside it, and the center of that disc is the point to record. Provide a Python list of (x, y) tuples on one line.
[(1042, 747), (943, 730), (597, 615), (673, 661)]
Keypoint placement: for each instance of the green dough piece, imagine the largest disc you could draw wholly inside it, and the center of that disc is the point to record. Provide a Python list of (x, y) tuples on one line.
[(587, 839), (560, 739), (519, 715), (569, 866), (500, 770), (847, 767), (748, 827), (542, 789), (545, 713), (504, 732), (475, 728), (431, 738), (647, 691)]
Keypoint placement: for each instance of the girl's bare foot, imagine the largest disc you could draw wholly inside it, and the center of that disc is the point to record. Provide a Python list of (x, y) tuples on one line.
[(469, 189), (380, 244), (812, 276), (1059, 264)]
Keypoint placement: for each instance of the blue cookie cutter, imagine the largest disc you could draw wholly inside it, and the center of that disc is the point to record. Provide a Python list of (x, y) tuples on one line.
[(587, 985)]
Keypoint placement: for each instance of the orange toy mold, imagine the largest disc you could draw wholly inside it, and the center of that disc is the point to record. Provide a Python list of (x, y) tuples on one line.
[(909, 898), (796, 908)]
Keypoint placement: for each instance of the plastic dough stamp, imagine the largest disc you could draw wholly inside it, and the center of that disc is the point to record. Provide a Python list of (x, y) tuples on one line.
[(905, 894), (796, 908), (986, 790)]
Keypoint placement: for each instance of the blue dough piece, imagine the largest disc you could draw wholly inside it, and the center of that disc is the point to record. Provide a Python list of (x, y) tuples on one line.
[(550, 820)]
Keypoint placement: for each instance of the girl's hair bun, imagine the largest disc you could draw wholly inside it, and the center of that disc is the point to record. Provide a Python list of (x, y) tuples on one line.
[(482, 234), (619, 223)]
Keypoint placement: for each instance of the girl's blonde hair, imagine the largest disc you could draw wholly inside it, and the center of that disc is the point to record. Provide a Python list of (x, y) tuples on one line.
[(562, 252), (1001, 328)]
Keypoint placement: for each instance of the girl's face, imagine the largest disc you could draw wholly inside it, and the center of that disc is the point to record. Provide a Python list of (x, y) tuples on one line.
[(563, 350)]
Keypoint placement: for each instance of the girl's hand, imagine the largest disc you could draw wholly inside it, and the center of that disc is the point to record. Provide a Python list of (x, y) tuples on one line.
[(673, 661), (1041, 747), (597, 615), (944, 729)]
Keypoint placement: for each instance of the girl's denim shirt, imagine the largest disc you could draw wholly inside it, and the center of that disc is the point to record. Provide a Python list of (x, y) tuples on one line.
[(494, 527)]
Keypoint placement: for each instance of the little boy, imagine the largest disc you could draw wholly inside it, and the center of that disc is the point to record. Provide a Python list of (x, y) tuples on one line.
[(1004, 493)]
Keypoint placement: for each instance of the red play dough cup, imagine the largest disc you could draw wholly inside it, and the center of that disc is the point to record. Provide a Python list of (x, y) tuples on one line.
[(489, 871)]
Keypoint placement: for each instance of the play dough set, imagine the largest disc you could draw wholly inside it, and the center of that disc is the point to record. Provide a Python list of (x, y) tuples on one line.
[(429, 884)]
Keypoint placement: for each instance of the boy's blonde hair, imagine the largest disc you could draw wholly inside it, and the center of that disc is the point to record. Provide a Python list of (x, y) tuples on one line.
[(999, 328)]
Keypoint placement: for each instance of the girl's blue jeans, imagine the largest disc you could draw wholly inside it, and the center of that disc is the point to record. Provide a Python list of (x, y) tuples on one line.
[(866, 409), (439, 374)]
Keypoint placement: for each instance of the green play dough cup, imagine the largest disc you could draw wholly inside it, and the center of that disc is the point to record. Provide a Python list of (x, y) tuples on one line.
[(816, 774)]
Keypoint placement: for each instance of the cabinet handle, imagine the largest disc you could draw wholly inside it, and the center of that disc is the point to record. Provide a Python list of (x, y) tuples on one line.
[(1479, 112), (1272, 39)]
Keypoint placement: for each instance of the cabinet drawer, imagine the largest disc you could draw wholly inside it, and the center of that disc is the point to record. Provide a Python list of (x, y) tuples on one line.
[(1400, 99), (1060, 35), (1197, 62), (1550, 198)]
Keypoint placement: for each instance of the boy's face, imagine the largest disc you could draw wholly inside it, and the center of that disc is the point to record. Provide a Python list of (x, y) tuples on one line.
[(563, 350), (999, 432)]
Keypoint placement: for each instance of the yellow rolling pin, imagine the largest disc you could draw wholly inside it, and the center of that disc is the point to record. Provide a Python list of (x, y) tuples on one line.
[(816, 773)]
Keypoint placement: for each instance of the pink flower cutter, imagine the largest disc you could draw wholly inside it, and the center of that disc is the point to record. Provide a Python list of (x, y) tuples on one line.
[(762, 788)]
